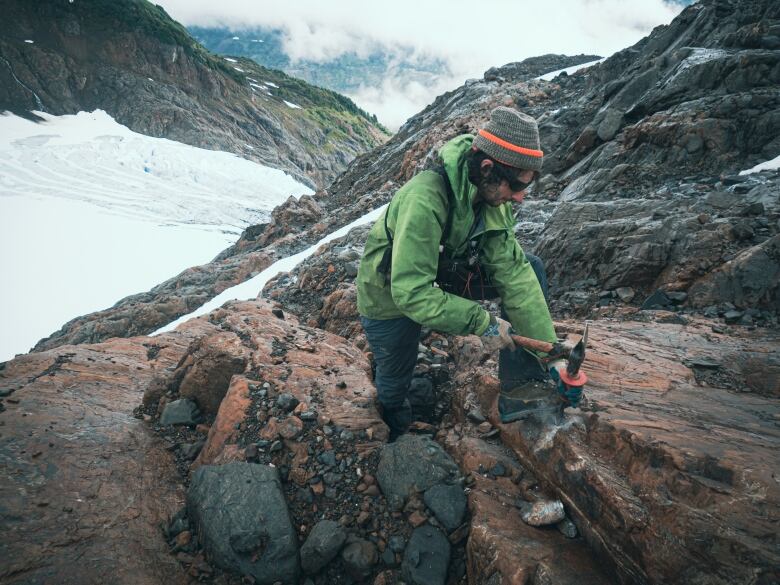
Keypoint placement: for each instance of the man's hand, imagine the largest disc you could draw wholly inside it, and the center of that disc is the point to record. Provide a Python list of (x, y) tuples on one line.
[(570, 394), (497, 335)]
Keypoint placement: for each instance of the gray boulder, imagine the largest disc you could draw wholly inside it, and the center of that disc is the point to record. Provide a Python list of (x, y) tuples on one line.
[(322, 545), (448, 504), (412, 464), (427, 557), (243, 522), (359, 558), (180, 412)]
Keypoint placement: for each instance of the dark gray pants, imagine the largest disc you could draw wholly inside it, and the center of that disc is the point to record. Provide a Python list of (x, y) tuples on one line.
[(394, 345)]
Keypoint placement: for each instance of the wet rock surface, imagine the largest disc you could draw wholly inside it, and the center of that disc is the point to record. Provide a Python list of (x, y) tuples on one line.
[(242, 520), (80, 477), (448, 503)]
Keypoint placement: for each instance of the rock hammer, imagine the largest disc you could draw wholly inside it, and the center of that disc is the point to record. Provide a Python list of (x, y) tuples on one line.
[(575, 355)]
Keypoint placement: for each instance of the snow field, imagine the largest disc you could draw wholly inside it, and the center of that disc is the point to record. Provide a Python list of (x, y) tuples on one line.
[(250, 289), (91, 212)]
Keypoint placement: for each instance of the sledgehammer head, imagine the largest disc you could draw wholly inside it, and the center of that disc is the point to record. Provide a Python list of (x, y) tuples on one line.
[(573, 376)]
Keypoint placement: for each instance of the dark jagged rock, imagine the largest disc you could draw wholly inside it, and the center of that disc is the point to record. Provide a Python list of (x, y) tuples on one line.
[(243, 522), (413, 464), (322, 545), (359, 557), (426, 557), (448, 503), (180, 412)]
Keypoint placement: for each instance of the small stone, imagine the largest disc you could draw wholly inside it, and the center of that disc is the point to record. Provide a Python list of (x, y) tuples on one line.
[(276, 446), (732, 316), (677, 297), (397, 543), (567, 528), (417, 518), (625, 293), (290, 428), (427, 557), (180, 412), (183, 538), (359, 558), (278, 313), (498, 470), (251, 452), (388, 558), (190, 451), (286, 402), (475, 415), (448, 503), (322, 545), (657, 300), (543, 512), (327, 458), (485, 427), (371, 490)]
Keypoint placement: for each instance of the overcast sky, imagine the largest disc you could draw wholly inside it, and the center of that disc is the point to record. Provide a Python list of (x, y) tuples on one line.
[(471, 36)]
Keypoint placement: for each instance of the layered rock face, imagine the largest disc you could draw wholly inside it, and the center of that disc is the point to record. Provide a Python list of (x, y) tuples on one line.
[(144, 69), (667, 469)]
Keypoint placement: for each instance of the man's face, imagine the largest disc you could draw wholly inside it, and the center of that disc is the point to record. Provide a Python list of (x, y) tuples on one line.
[(495, 194)]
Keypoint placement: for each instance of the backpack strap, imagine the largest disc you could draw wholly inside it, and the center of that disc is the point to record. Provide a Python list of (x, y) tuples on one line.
[(387, 258)]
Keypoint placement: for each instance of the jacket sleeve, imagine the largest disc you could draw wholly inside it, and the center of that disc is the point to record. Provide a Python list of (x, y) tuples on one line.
[(420, 218), (516, 281)]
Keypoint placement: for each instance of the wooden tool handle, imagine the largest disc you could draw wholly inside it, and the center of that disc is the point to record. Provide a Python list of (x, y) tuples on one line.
[(533, 344)]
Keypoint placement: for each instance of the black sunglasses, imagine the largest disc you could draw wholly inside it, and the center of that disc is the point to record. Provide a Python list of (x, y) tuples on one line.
[(514, 183)]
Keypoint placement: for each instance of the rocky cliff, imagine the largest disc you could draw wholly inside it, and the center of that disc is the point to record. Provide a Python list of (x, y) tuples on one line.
[(666, 474), (133, 61)]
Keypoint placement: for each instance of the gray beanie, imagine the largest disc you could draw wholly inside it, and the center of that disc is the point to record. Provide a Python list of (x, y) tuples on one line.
[(512, 138)]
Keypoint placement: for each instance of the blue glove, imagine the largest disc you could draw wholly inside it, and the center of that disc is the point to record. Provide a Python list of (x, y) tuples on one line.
[(571, 394)]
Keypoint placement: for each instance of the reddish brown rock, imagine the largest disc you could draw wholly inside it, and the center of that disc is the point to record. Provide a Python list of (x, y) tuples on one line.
[(665, 452), (223, 431), (501, 548), (84, 485), (349, 404), (209, 366)]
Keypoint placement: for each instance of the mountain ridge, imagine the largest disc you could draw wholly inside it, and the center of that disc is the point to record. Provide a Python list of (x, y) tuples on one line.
[(131, 60)]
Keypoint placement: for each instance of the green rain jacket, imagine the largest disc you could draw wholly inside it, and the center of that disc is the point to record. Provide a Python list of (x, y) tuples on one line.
[(416, 217)]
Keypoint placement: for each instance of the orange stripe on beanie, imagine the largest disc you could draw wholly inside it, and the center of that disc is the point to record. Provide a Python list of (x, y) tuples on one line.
[(510, 146), (512, 138)]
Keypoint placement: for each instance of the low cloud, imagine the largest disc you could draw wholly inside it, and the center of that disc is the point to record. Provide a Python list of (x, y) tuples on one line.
[(468, 37)]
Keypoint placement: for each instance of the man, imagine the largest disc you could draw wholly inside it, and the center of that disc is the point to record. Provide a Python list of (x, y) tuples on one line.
[(455, 227)]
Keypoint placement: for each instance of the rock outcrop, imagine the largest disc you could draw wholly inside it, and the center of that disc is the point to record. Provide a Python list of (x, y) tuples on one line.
[(677, 443)]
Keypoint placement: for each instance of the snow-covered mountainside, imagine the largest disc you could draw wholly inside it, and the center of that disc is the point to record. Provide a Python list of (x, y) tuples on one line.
[(132, 60), (91, 212)]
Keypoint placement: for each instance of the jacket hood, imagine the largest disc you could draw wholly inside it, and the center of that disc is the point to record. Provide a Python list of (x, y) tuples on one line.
[(452, 155)]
